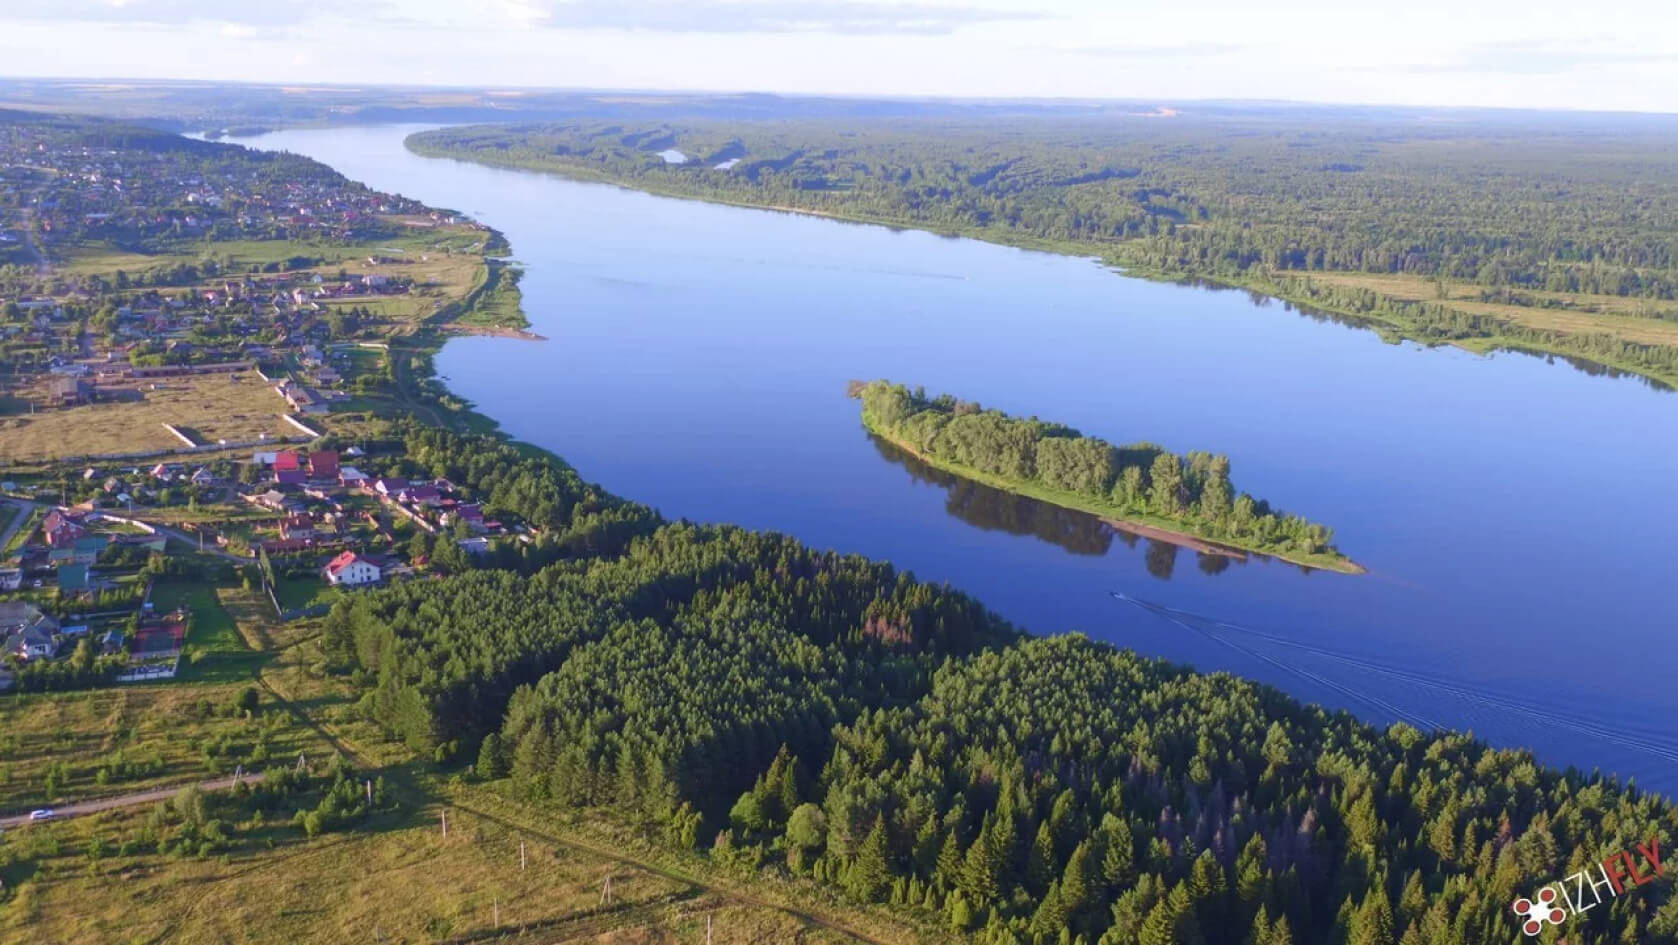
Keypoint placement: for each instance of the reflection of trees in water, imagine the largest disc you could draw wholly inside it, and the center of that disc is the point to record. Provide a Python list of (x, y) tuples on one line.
[(1162, 559), (996, 510)]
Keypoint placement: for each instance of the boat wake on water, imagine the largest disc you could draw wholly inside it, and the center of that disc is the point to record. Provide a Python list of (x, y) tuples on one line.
[(1480, 705)]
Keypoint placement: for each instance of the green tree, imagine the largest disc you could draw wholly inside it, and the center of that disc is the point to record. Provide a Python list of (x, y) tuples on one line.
[(869, 875)]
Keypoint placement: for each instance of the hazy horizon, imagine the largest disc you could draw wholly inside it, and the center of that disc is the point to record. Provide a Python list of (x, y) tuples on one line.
[(1498, 54)]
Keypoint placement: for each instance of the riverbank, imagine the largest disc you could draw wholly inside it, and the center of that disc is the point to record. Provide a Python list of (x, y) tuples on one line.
[(1145, 526), (1502, 334)]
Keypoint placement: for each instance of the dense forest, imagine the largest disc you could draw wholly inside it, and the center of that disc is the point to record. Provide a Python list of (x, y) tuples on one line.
[(1514, 208), (783, 709), (1141, 482)]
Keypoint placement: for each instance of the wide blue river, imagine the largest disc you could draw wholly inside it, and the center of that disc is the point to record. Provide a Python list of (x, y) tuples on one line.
[(1517, 514)]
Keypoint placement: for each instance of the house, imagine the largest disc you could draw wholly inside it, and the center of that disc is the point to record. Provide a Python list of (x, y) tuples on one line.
[(389, 486), (323, 466), (61, 529), (70, 391), (202, 476), (352, 570), (274, 500), (475, 546), (420, 495), (73, 578), (351, 478), (27, 631), (297, 527), (288, 468), (11, 579), (31, 643)]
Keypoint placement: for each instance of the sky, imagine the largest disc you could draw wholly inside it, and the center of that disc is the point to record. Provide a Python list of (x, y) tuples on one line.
[(1611, 55)]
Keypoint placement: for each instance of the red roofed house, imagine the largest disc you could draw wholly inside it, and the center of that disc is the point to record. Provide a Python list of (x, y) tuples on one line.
[(323, 466), (352, 570), (61, 530), (288, 468)]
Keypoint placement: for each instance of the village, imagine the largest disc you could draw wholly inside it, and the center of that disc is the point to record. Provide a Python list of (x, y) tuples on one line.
[(303, 527), (192, 351)]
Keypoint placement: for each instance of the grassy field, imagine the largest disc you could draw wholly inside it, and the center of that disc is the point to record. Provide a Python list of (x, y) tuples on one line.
[(297, 593), (209, 407), (392, 879), (216, 651), (1626, 318), (396, 880), (139, 735)]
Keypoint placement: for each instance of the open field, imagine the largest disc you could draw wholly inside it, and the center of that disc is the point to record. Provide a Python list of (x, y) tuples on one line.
[(215, 649), (140, 735), (1627, 318), (297, 593), (209, 407), (443, 262), (395, 880)]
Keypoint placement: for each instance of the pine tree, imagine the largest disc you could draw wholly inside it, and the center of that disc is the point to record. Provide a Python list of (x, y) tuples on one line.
[(1040, 862), (1260, 932), (1118, 856), (1050, 918), (1252, 873), (947, 873), (870, 874), (1412, 903), (1075, 881), (1373, 924), (1207, 888), (980, 872)]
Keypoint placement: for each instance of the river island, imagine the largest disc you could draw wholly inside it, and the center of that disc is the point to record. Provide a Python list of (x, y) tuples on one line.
[(1139, 488)]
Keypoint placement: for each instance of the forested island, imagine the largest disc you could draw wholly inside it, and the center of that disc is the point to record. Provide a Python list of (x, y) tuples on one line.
[(1542, 233), (1142, 487)]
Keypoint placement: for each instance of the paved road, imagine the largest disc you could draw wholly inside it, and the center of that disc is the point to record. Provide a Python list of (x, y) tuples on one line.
[(152, 796)]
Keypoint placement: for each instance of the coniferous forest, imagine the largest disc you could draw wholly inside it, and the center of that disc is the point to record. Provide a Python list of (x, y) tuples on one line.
[(783, 709)]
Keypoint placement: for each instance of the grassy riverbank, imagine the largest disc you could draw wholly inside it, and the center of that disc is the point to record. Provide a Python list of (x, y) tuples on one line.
[(1640, 346)]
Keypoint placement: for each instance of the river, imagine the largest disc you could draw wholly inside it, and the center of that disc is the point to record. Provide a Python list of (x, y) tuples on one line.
[(1515, 512)]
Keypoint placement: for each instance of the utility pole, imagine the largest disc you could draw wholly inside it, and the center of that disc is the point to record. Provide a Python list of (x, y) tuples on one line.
[(497, 907), (369, 792), (707, 928), (445, 814), (522, 863)]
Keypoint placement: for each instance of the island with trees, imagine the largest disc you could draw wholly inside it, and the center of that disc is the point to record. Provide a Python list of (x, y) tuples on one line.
[(1142, 488)]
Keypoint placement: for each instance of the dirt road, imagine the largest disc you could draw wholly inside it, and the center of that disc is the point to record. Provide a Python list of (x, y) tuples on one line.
[(152, 796)]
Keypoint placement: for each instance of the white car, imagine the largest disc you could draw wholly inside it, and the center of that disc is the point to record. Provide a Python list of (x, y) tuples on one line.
[(45, 813)]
